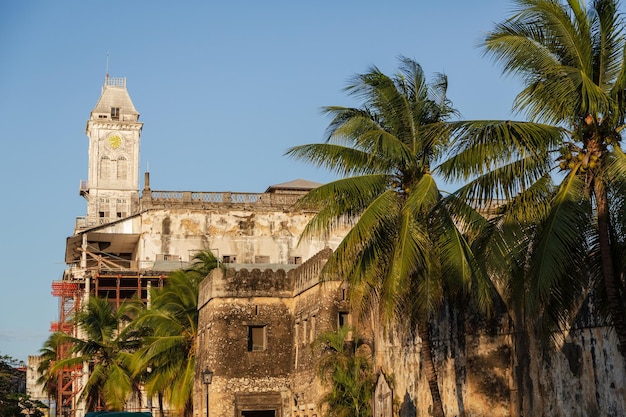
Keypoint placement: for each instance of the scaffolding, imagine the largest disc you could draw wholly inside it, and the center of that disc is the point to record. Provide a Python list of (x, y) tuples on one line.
[(118, 286), (68, 379), (104, 277)]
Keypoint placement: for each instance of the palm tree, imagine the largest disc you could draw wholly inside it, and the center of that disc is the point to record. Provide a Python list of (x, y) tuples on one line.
[(203, 263), (347, 368), (102, 347), (166, 359), (571, 59), (49, 354), (404, 248)]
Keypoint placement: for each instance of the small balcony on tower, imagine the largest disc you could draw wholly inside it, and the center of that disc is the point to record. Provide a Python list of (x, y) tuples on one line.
[(84, 188)]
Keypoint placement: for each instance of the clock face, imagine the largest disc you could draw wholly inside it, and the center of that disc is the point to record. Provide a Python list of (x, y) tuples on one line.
[(114, 141)]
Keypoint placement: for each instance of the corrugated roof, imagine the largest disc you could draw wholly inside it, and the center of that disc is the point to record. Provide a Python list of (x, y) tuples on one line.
[(261, 266), (299, 184)]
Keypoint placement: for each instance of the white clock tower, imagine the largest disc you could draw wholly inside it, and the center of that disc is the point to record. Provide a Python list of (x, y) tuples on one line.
[(114, 130)]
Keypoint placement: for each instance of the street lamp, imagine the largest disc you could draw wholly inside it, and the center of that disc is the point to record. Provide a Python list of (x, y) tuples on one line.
[(207, 378)]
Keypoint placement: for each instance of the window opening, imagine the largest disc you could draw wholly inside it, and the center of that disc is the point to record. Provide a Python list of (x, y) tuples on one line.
[(115, 113), (312, 331), (229, 259), (258, 413), (167, 257), (343, 318), (256, 338), (122, 168), (105, 167)]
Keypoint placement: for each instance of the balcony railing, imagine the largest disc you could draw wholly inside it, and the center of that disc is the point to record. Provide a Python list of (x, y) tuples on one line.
[(224, 198), (115, 82)]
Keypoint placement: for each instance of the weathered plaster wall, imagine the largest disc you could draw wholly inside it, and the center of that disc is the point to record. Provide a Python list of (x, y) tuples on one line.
[(478, 365), (485, 367), (244, 234), (231, 302), (315, 311)]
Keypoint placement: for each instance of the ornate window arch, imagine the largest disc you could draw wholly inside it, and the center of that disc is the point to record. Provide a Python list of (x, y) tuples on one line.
[(122, 167), (106, 167)]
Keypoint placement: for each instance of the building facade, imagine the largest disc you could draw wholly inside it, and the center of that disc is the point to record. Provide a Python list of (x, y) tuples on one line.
[(256, 329), (259, 314), (130, 239)]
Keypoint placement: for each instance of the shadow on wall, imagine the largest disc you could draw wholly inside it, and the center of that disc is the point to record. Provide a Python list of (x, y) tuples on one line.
[(407, 408)]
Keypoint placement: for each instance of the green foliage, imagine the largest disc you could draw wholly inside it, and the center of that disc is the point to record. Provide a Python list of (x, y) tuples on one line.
[(403, 229), (551, 183), (130, 345), (165, 361), (405, 250), (345, 367), (14, 402), (49, 354), (105, 349)]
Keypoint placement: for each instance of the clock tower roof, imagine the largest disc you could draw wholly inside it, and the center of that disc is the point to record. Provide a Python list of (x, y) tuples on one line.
[(115, 103)]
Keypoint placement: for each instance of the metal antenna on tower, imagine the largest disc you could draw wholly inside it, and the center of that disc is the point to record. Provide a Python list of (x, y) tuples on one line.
[(107, 66)]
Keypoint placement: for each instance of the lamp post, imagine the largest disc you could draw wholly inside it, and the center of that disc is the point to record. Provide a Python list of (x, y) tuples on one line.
[(207, 378)]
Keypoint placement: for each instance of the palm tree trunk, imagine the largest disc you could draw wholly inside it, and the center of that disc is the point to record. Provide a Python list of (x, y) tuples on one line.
[(428, 365), (616, 308), (527, 399), (161, 411)]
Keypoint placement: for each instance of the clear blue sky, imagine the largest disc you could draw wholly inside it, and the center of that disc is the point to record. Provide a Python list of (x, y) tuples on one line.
[(223, 89)]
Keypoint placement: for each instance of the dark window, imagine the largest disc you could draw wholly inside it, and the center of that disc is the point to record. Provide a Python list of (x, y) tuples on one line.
[(258, 413), (256, 338), (344, 318), (115, 113), (101, 213), (229, 259)]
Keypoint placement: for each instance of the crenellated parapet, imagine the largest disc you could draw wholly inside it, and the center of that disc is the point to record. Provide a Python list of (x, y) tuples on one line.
[(225, 283), (281, 283), (258, 283)]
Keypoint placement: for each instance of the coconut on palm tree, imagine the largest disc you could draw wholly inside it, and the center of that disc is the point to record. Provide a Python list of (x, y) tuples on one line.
[(558, 235), (404, 249), (563, 173)]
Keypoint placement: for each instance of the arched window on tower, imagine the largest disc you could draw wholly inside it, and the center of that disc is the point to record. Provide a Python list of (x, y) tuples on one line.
[(105, 167), (122, 168)]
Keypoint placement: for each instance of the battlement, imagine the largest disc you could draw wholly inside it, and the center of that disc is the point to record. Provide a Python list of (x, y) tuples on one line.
[(279, 282)]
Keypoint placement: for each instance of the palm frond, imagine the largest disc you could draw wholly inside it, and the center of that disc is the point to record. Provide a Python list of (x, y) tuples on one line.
[(518, 149), (340, 202), (560, 247), (340, 159)]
